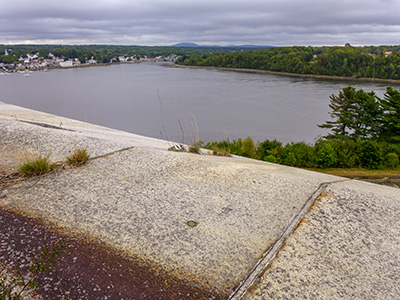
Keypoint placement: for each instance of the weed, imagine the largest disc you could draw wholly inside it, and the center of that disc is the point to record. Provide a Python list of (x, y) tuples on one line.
[(79, 157), (12, 287), (195, 147), (37, 166), (220, 151)]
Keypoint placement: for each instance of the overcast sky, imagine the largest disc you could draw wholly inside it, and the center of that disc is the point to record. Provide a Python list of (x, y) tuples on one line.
[(224, 22)]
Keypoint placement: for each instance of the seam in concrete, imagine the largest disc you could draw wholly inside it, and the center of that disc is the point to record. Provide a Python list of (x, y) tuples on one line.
[(45, 125), (261, 266), (3, 187), (112, 153)]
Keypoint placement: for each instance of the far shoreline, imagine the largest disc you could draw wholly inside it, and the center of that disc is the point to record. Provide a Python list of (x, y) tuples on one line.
[(290, 74), (18, 69), (172, 64)]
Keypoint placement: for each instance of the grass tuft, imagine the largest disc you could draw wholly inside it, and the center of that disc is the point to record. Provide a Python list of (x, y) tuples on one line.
[(220, 151), (37, 166), (79, 157), (195, 147)]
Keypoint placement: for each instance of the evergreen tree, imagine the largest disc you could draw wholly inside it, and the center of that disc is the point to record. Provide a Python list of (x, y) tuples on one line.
[(391, 116), (366, 115), (356, 114), (340, 105)]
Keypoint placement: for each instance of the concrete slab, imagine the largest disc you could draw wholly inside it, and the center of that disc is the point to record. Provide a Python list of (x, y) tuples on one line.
[(253, 220), (140, 201), (83, 130), (25, 133), (346, 247)]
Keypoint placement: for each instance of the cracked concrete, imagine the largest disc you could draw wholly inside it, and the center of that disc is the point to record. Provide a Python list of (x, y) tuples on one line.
[(137, 198), (346, 247), (271, 253)]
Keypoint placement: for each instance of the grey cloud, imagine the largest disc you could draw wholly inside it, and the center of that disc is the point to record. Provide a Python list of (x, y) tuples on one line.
[(283, 22)]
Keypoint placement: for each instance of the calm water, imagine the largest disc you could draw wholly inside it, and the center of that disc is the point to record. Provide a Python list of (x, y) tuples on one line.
[(222, 103)]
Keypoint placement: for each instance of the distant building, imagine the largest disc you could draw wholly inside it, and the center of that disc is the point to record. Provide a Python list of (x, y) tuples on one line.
[(66, 64), (92, 61), (387, 53), (76, 62)]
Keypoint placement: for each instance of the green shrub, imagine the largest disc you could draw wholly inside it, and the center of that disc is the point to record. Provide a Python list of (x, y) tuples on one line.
[(290, 159), (268, 148), (392, 161), (249, 148), (80, 156), (326, 156), (236, 147), (37, 166), (346, 152), (389, 148), (369, 155), (271, 159), (303, 153)]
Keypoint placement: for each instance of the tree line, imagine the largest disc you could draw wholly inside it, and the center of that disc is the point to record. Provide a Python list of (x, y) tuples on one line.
[(359, 62), (325, 153), (101, 53), (364, 132)]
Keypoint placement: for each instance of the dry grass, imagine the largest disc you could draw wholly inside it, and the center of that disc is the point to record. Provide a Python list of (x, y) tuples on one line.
[(79, 157), (362, 173), (220, 151), (195, 147)]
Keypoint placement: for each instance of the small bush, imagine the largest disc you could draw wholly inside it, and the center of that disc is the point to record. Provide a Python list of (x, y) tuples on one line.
[(249, 148), (299, 155), (38, 166), (326, 157), (236, 147), (271, 159), (290, 159), (392, 161), (346, 151), (79, 157), (268, 148), (370, 155)]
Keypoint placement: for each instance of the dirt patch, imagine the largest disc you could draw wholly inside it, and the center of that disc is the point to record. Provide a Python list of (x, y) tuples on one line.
[(89, 269)]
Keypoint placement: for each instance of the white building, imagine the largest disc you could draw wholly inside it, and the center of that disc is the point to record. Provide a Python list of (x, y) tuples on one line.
[(66, 64), (92, 61)]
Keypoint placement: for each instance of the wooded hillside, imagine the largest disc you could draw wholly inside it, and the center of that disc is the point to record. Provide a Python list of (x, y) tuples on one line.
[(358, 62)]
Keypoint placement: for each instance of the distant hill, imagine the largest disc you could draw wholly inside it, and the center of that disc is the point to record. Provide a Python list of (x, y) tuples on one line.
[(194, 45), (185, 45)]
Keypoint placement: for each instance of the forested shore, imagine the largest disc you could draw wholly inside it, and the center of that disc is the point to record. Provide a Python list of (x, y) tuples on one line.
[(370, 62), (330, 77)]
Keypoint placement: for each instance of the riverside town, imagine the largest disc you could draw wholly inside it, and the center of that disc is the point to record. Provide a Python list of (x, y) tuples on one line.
[(38, 62)]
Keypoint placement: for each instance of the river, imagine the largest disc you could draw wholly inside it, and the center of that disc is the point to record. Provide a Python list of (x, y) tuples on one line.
[(211, 104)]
